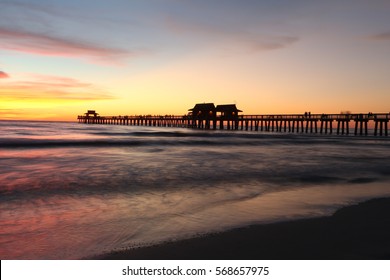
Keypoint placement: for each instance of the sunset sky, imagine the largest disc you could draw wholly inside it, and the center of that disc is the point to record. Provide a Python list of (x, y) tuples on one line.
[(122, 57)]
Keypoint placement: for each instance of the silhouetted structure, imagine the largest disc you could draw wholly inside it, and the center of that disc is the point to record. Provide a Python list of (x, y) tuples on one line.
[(228, 111), (90, 116), (228, 114), (204, 116), (203, 110), (91, 113)]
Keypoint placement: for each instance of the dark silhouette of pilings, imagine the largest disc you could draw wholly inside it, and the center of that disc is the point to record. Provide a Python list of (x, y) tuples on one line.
[(326, 124), (294, 123), (381, 124), (361, 121), (343, 123)]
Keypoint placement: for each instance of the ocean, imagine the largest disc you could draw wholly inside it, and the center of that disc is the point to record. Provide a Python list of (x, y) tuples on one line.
[(73, 191)]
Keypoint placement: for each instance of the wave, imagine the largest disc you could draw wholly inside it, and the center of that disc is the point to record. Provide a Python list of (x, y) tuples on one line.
[(31, 143), (135, 139), (51, 135), (130, 139)]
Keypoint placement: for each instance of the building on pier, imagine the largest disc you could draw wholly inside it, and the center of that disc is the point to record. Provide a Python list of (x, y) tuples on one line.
[(203, 115), (228, 111), (91, 113), (203, 111), (209, 111)]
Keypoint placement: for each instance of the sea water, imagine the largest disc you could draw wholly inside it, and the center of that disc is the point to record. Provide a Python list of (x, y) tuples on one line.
[(70, 190)]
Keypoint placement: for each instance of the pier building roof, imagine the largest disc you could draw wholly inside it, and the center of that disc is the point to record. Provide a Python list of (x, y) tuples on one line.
[(227, 108)]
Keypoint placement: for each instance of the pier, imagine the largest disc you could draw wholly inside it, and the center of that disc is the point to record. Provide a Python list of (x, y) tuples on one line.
[(227, 118)]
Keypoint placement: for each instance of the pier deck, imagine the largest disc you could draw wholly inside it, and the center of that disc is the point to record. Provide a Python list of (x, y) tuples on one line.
[(340, 124)]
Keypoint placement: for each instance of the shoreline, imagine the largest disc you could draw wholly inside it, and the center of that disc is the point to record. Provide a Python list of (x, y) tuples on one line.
[(356, 232)]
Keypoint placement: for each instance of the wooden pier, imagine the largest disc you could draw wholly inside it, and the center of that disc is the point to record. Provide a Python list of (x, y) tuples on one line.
[(340, 124)]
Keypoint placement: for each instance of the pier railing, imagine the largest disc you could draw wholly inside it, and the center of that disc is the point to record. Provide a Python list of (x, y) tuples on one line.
[(303, 123)]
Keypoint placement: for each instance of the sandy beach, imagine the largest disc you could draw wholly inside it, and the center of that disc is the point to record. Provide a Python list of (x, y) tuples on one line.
[(359, 231)]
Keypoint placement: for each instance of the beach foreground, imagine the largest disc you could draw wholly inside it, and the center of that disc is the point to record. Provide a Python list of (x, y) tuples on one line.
[(359, 231)]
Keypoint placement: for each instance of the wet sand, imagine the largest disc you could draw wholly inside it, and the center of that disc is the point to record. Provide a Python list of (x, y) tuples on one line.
[(359, 231)]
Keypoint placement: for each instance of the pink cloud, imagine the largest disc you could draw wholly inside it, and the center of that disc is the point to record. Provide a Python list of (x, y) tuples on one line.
[(48, 45), (57, 81), (3, 75), (52, 87)]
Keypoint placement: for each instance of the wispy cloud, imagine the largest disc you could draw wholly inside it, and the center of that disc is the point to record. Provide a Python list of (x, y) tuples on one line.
[(43, 87), (9, 114), (268, 43), (3, 75), (43, 15), (58, 30), (26, 113), (232, 38), (46, 44), (384, 36)]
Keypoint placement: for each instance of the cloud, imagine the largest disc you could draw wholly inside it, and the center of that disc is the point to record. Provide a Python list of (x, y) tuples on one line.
[(3, 75), (268, 43), (51, 30), (232, 38), (27, 113), (46, 15), (57, 81), (385, 36), (44, 87), (46, 44)]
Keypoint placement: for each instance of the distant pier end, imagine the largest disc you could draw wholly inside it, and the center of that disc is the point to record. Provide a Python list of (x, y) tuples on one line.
[(208, 116)]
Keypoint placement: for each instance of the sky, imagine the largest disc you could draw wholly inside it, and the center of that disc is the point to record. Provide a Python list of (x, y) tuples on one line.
[(60, 58)]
